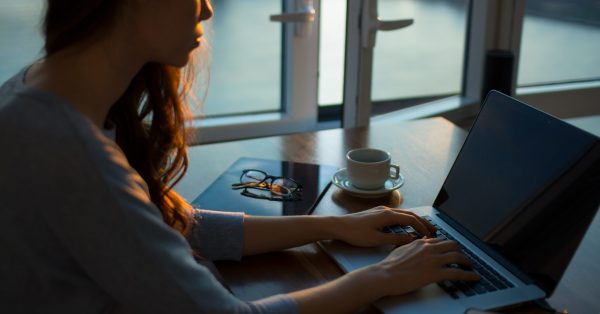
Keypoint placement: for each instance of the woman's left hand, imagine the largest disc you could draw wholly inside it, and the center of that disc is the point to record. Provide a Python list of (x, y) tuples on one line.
[(366, 228)]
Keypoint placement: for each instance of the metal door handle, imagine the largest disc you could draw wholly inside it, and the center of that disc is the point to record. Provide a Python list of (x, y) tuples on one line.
[(297, 17), (303, 17), (371, 23)]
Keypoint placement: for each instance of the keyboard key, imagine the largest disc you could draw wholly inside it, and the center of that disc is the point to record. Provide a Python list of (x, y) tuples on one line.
[(464, 288), (397, 229), (479, 288), (507, 283), (449, 288), (490, 281)]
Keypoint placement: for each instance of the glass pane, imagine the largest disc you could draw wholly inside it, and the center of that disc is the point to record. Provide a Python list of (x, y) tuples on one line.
[(560, 42), (424, 59), (20, 37), (245, 59), (332, 42)]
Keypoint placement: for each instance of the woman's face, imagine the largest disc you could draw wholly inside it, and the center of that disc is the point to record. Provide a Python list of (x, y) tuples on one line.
[(170, 29)]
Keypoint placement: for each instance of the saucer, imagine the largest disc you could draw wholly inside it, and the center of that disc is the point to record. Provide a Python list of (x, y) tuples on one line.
[(340, 179)]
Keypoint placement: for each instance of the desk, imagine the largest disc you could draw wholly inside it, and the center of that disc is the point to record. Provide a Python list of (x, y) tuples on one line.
[(425, 150)]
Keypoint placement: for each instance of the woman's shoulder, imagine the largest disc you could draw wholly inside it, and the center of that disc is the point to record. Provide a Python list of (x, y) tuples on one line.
[(29, 113), (37, 125)]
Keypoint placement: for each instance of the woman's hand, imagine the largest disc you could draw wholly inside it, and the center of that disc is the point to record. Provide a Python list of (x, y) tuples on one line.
[(407, 268), (366, 228), (420, 263)]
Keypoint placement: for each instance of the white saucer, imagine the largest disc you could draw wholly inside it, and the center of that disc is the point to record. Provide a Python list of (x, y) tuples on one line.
[(340, 179)]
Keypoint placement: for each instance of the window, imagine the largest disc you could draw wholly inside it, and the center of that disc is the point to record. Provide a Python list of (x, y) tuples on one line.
[(560, 42), (274, 77), (424, 59), (246, 58), (20, 39), (332, 43)]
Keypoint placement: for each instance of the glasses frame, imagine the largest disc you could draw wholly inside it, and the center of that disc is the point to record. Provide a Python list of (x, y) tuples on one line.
[(265, 185)]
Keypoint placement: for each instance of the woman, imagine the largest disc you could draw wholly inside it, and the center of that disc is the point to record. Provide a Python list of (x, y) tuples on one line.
[(93, 138)]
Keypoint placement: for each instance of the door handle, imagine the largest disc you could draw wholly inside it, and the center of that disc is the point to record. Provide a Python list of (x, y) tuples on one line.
[(370, 23), (297, 17), (303, 18)]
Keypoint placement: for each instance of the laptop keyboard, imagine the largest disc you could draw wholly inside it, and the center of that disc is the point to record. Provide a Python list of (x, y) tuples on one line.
[(490, 281)]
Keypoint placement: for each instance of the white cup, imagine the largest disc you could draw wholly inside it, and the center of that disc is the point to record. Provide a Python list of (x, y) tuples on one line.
[(369, 168)]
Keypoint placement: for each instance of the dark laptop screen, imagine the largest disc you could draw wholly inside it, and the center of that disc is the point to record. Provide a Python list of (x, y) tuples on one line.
[(527, 184)]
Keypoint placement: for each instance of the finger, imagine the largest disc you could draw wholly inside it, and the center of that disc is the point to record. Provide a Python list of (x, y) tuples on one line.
[(445, 246), (397, 239), (422, 220), (416, 223), (454, 258), (425, 222), (433, 240), (459, 274), (428, 224)]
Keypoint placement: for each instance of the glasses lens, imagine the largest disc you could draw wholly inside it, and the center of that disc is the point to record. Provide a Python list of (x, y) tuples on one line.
[(258, 193), (283, 186), (252, 177)]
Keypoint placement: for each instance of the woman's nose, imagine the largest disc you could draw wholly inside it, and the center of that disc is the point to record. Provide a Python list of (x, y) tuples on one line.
[(206, 11)]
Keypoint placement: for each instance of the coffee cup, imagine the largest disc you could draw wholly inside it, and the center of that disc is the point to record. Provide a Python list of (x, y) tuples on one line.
[(369, 168)]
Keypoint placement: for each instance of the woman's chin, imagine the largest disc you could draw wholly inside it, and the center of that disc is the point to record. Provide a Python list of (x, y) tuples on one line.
[(179, 62)]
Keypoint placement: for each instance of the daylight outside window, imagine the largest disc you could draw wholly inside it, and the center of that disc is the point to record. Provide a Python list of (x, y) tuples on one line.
[(245, 75), (20, 35), (422, 60), (560, 42)]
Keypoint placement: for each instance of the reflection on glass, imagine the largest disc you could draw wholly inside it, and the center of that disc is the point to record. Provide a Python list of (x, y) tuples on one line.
[(332, 42), (246, 58), (422, 60), (313, 178), (560, 42), (246, 52), (20, 38), (425, 58)]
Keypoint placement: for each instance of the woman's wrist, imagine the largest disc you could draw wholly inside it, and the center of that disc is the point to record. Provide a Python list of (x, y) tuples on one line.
[(325, 227), (343, 295), (331, 227), (371, 279)]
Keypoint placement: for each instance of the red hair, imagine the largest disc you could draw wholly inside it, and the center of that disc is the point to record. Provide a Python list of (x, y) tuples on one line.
[(150, 117)]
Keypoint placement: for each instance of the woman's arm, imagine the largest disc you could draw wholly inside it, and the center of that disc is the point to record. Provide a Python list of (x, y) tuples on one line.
[(407, 268), (264, 234)]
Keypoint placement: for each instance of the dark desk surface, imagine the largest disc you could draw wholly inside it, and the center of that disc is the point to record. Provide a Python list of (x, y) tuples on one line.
[(424, 149)]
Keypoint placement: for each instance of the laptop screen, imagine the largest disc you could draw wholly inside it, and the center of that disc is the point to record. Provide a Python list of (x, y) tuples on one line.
[(526, 184)]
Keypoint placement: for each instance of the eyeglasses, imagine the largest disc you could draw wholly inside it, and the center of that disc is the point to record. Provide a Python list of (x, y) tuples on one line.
[(259, 184)]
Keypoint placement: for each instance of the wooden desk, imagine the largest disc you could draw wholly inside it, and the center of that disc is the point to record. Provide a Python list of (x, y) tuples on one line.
[(424, 149)]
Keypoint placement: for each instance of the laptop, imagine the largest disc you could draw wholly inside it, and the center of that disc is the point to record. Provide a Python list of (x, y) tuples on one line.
[(519, 198)]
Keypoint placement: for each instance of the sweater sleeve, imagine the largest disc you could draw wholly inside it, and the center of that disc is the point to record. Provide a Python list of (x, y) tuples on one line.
[(105, 220), (217, 235)]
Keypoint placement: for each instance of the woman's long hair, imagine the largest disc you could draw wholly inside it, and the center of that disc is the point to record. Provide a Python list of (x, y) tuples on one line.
[(150, 117)]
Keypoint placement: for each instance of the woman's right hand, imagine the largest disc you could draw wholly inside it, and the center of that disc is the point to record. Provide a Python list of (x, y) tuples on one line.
[(407, 268), (421, 262)]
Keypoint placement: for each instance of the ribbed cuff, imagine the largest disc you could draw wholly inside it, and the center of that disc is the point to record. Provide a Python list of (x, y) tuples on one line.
[(281, 303), (217, 235)]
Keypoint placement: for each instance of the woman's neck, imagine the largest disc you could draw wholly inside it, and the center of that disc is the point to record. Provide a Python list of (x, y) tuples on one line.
[(91, 78)]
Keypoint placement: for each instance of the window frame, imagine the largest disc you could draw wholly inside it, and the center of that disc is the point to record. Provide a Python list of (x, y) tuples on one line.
[(299, 92), (498, 24), (491, 24)]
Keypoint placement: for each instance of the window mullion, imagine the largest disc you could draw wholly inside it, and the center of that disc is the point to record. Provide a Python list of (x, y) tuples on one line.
[(357, 71), (493, 24), (301, 64)]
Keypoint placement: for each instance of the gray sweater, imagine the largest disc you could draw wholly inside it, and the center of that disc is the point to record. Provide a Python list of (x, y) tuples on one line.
[(79, 234)]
